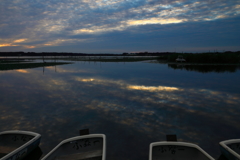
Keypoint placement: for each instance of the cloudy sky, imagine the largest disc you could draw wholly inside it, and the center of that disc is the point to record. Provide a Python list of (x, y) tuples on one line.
[(117, 26)]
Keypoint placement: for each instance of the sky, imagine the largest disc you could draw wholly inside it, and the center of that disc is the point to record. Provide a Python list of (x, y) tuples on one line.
[(117, 26)]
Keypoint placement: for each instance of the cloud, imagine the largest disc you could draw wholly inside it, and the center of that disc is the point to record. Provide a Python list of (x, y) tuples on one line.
[(7, 45), (153, 88), (20, 40), (155, 21)]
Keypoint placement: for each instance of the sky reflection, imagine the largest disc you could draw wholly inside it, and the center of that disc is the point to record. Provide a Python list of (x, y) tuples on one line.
[(58, 104)]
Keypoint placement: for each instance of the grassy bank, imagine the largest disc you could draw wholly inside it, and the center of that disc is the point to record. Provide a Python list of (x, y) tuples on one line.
[(15, 61), (12, 66)]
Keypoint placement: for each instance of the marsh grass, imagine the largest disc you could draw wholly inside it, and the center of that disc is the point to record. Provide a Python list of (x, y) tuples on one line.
[(120, 59), (207, 57)]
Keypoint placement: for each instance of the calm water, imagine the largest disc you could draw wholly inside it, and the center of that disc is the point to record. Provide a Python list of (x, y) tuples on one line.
[(133, 104)]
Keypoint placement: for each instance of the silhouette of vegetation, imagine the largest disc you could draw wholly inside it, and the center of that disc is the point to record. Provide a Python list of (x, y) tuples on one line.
[(206, 68), (33, 54), (227, 57), (216, 57), (120, 59), (12, 66)]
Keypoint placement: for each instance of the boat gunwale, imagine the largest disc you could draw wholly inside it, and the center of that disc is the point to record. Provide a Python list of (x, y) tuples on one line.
[(36, 136), (78, 138), (162, 143), (226, 142)]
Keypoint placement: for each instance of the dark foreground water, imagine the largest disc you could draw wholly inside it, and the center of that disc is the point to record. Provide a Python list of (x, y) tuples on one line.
[(133, 104)]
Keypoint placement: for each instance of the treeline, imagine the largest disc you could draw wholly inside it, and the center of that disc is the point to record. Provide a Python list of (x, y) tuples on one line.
[(40, 54), (81, 54), (148, 54), (226, 57), (216, 57), (52, 54)]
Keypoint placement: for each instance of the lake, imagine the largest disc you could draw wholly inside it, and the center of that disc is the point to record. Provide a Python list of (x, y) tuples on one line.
[(133, 104)]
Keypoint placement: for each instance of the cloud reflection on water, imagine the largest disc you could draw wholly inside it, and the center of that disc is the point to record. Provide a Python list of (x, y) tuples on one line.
[(146, 110), (50, 104), (22, 71)]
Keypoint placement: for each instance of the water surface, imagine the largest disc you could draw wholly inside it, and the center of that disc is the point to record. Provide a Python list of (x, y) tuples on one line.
[(133, 104)]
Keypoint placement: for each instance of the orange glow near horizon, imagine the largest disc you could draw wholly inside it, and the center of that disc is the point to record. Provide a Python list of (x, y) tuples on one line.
[(7, 45), (22, 71), (30, 46), (20, 40)]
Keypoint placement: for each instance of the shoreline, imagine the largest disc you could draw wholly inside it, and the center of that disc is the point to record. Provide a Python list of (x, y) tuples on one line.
[(149, 59)]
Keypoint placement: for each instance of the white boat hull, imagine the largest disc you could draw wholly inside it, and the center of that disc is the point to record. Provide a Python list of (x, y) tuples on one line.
[(17, 144), (177, 151), (231, 149), (91, 146)]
